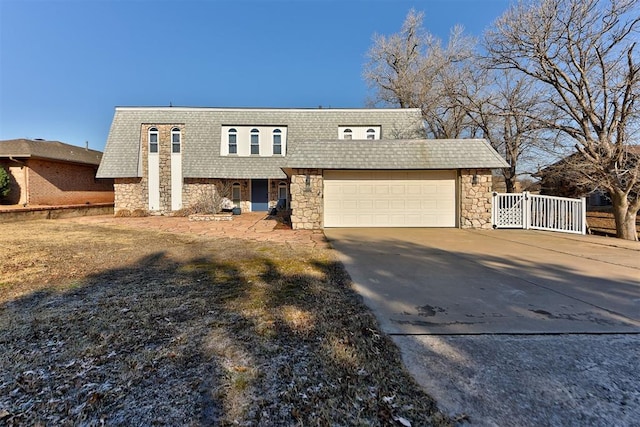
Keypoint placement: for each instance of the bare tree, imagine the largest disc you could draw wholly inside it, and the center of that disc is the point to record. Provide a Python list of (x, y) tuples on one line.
[(411, 69), (584, 52), (505, 108)]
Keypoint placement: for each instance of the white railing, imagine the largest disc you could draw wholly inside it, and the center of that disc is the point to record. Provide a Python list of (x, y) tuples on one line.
[(532, 211)]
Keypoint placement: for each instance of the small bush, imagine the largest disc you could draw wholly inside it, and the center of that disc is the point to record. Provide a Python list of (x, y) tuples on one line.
[(123, 213), (5, 184), (139, 213)]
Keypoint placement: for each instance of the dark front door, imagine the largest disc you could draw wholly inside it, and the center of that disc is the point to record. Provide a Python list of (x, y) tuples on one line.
[(259, 195)]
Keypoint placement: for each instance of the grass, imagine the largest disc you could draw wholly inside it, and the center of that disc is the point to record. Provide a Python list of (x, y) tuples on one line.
[(131, 327)]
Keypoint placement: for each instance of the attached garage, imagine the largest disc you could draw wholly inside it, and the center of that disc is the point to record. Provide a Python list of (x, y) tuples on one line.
[(389, 198), (391, 183)]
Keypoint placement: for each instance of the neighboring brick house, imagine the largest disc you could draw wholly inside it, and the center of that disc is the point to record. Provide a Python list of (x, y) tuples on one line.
[(53, 173), (333, 167), (568, 177)]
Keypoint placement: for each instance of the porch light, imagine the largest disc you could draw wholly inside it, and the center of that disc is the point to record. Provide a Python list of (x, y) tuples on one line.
[(474, 179), (307, 183)]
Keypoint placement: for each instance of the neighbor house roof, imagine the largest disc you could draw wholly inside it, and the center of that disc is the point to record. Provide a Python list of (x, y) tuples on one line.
[(395, 154), (202, 136), (51, 150)]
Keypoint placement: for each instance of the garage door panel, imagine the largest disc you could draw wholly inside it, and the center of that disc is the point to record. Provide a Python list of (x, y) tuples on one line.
[(389, 199)]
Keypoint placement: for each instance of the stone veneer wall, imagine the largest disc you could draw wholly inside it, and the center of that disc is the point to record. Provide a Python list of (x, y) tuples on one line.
[(475, 199), (164, 153), (129, 194), (194, 189), (273, 191), (306, 202)]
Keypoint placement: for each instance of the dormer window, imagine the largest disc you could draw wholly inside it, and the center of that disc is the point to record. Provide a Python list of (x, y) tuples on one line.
[(175, 140), (358, 132), (233, 141), (277, 141), (153, 140), (255, 141)]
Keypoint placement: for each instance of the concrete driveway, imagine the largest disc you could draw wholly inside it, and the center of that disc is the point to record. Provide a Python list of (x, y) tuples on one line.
[(450, 281), (508, 327)]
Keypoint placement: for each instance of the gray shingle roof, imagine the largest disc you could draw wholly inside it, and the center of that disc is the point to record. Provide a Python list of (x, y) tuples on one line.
[(52, 150), (395, 154), (201, 137)]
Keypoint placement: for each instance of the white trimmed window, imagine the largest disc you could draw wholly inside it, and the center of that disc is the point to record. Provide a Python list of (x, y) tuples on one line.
[(233, 141), (236, 194), (255, 141), (153, 140), (277, 141), (359, 132), (175, 140), (282, 192)]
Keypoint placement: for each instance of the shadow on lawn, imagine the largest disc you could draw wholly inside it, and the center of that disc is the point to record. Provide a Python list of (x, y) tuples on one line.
[(203, 342)]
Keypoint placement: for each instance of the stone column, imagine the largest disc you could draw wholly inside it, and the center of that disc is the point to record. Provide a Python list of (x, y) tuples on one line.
[(306, 199), (475, 198)]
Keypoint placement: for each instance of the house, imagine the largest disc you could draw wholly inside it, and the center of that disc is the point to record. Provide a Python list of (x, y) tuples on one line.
[(332, 167), (53, 173), (568, 177)]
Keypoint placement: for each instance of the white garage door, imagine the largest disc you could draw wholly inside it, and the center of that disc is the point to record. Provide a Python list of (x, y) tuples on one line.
[(389, 198)]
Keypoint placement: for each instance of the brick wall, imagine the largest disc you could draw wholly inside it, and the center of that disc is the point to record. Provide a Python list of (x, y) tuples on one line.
[(17, 183), (57, 183), (475, 198)]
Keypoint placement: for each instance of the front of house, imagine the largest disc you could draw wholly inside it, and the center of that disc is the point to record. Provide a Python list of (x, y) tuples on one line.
[(331, 167)]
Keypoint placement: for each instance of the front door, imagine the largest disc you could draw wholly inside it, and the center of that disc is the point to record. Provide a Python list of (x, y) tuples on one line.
[(259, 195)]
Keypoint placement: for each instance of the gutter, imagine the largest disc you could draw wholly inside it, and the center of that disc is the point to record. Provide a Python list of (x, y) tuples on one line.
[(13, 159)]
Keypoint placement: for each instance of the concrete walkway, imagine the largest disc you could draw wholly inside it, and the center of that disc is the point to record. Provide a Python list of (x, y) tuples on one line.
[(249, 225)]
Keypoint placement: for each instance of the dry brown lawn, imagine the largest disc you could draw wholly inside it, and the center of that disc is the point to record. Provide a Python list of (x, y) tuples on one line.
[(112, 326)]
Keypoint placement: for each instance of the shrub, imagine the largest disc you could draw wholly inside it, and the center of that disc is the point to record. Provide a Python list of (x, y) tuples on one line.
[(5, 184)]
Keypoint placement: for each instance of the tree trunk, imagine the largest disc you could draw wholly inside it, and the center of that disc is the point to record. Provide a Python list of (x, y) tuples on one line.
[(510, 178), (625, 218)]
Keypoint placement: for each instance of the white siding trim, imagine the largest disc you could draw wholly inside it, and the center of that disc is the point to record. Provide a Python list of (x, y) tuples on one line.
[(154, 181)]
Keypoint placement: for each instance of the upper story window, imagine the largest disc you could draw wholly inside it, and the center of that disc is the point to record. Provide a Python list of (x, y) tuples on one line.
[(359, 132), (233, 141), (175, 140), (255, 141), (153, 140), (277, 141)]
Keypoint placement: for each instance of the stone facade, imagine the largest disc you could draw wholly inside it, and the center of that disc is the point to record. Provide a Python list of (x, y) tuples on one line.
[(306, 199), (129, 195), (475, 198), (195, 189), (274, 185), (164, 157)]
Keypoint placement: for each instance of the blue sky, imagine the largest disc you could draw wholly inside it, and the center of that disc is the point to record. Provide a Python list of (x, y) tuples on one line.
[(66, 64)]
